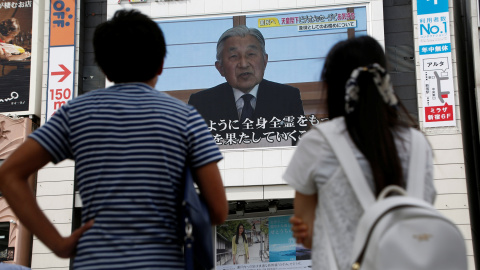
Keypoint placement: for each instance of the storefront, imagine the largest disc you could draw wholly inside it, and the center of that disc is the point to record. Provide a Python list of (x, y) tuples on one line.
[(15, 240), (20, 105)]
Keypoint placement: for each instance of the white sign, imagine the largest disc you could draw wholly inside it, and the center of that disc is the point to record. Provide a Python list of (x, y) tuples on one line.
[(60, 78), (436, 64)]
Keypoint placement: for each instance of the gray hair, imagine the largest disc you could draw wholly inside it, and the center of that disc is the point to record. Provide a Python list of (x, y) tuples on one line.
[(239, 31)]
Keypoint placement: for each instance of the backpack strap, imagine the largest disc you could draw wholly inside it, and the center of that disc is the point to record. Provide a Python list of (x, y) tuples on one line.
[(417, 165), (340, 146), (349, 163)]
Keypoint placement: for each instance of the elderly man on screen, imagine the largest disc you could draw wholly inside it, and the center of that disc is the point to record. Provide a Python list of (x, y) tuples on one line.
[(248, 107)]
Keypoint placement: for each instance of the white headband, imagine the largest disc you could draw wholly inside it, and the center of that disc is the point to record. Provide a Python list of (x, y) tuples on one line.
[(382, 81)]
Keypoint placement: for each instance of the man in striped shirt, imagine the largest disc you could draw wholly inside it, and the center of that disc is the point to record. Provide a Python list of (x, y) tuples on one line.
[(130, 144)]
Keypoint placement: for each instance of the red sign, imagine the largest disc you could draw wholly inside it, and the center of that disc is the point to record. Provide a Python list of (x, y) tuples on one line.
[(65, 72), (439, 113)]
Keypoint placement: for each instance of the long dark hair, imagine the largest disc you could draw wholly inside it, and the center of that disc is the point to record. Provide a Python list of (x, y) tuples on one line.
[(243, 234), (371, 123)]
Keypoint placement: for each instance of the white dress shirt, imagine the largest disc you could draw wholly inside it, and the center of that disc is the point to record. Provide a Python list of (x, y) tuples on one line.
[(239, 100)]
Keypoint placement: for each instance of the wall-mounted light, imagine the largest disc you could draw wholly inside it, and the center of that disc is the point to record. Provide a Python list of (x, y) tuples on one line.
[(240, 208), (272, 206)]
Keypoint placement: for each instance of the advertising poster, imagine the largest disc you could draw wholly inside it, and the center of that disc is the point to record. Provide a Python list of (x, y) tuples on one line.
[(287, 97), (4, 237), (15, 57), (61, 56), (264, 243), (436, 63)]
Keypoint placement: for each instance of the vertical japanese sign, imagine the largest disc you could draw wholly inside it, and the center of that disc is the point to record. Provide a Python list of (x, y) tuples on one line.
[(15, 57), (61, 57), (436, 63)]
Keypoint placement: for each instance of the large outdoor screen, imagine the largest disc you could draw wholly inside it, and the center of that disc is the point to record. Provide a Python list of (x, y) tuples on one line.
[(289, 99)]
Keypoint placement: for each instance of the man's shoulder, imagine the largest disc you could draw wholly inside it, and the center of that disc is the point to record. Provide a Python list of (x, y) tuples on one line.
[(266, 84), (122, 94), (207, 96), (213, 91), (6, 266)]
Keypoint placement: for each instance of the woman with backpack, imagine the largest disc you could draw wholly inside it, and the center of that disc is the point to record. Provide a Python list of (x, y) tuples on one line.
[(363, 108)]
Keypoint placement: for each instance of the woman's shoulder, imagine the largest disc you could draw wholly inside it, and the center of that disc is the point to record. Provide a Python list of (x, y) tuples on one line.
[(315, 135), (334, 125), (405, 134)]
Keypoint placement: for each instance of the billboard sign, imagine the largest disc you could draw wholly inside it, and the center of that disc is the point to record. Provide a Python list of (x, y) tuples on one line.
[(61, 56), (436, 63), (15, 55), (264, 243)]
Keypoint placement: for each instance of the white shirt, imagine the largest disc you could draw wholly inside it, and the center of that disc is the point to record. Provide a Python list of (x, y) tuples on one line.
[(240, 246), (310, 168), (239, 100)]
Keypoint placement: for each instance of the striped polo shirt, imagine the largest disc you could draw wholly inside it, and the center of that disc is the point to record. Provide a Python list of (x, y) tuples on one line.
[(130, 143)]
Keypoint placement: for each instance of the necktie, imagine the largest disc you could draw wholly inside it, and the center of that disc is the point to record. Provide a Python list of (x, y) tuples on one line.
[(247, 110)]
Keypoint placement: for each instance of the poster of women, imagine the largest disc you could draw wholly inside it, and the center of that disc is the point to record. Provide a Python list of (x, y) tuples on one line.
[(258, 243)]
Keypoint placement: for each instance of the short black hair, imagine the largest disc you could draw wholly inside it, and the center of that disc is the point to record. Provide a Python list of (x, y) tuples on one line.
[(129, 47)]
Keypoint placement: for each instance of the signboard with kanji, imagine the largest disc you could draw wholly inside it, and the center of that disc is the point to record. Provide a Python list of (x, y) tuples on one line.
[(436, 63), (61, 57), (15, 55)]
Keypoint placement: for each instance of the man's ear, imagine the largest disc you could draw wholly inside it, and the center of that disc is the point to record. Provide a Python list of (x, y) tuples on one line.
[(160, 69), (266, 60), (219, 67)]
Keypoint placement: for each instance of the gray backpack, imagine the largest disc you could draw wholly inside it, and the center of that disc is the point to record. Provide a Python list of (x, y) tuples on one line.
[(398, 232)]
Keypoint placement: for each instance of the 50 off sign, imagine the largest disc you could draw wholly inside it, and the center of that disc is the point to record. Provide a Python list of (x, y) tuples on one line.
[(61, 55)]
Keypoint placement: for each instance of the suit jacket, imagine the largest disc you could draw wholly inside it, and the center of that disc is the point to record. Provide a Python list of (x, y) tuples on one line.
[(273, 100)]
